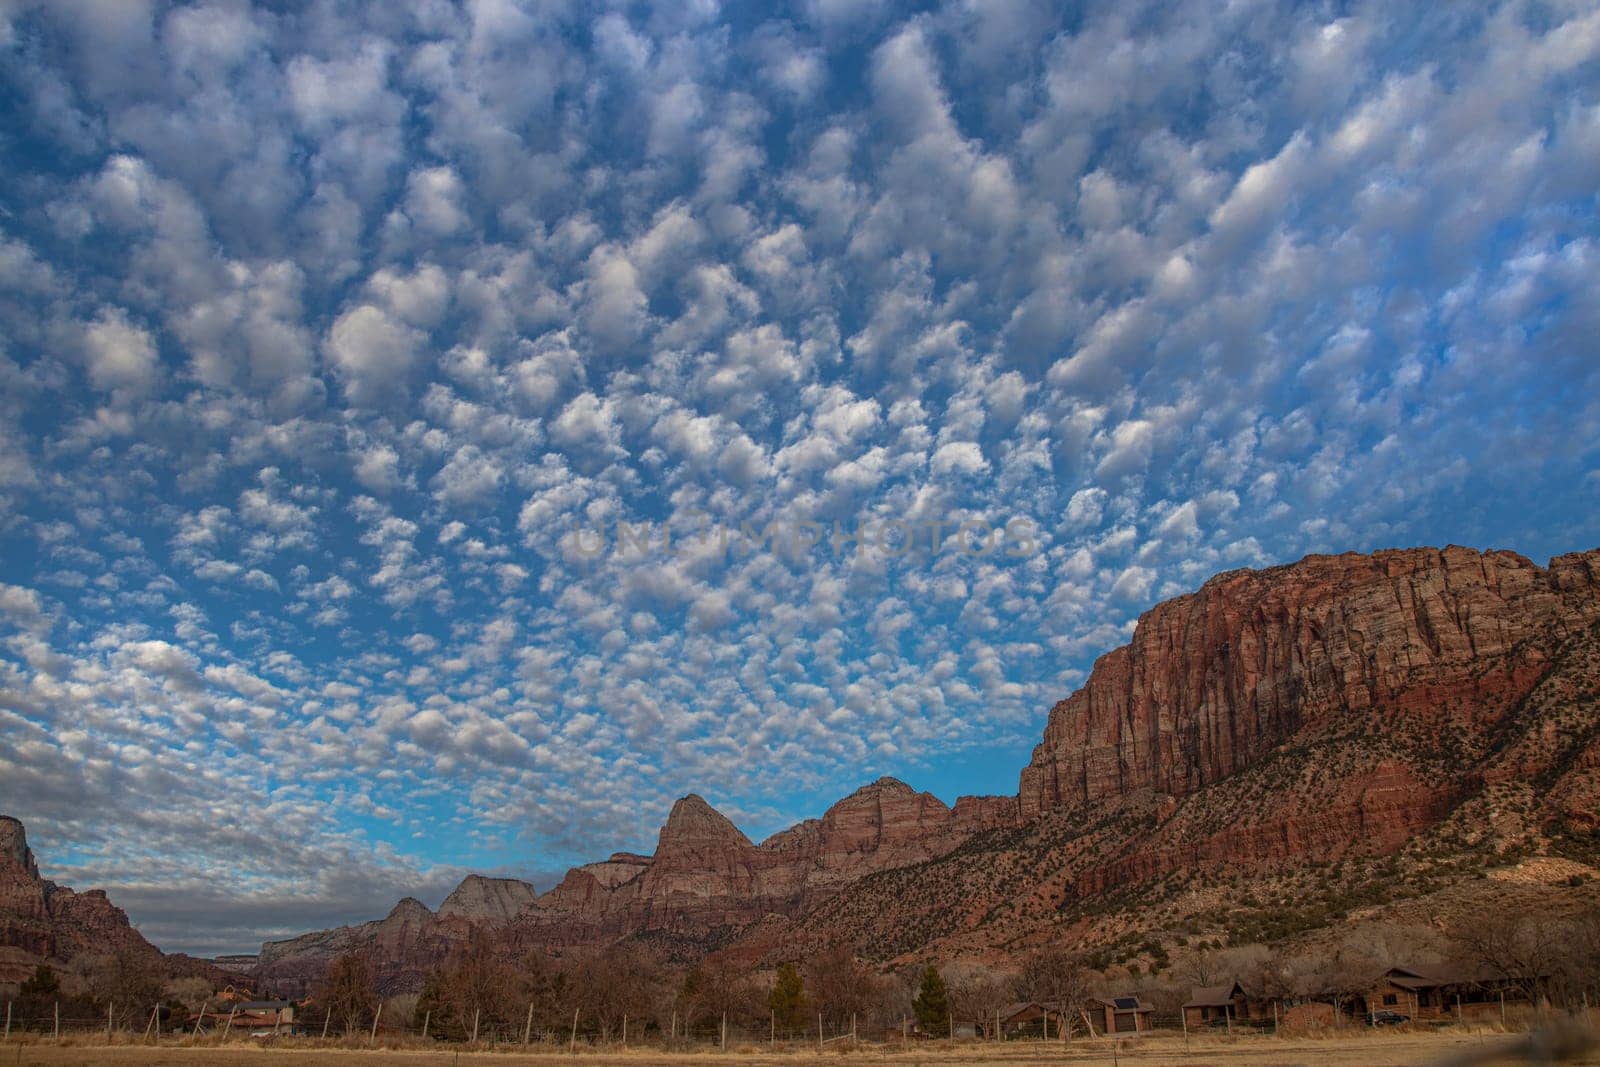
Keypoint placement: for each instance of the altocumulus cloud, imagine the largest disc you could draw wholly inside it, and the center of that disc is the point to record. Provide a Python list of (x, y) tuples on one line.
[(322, 330)]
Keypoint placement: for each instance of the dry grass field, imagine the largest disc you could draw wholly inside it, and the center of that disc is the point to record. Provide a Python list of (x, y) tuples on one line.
[(1382, 1049)]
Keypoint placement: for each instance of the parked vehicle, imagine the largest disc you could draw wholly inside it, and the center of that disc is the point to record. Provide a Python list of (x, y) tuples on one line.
[(1389, 1018)]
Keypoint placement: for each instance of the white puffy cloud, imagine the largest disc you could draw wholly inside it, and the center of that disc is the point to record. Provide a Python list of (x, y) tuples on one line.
[(373, 353), (118, 353)]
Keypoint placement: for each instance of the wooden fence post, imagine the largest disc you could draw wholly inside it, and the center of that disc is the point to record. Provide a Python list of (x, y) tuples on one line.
[(1502, 1007), (427, 1017), (624, 1031), (772, 1026), (673, 1032), (327, 1017), (375, 1017), (819, 1031), (476, 1012), (57, 1034), (572, 1044), (108, 1023), (527, 1028), (724, 1031), (229, 1028), (8, 1021)]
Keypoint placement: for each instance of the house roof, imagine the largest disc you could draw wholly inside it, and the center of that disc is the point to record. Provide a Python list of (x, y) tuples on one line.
[(1011, 1011), (1125, 1003), (1213, 996), (1415, 978)]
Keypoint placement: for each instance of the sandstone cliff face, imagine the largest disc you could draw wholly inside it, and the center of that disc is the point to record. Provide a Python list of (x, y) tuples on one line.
[(1213, 680), (15, 856), (41, 921)]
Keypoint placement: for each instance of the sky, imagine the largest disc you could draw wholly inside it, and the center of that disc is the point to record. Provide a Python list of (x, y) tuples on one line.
[(435, 436)]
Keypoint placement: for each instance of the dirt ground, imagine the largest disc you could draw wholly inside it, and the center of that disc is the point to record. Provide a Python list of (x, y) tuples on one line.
[(1367, 1050)]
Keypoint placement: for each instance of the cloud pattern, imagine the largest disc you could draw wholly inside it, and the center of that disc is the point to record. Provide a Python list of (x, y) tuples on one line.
[(327, 333)]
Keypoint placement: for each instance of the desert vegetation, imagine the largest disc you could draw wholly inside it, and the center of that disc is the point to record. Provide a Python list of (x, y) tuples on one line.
[(494, 995)]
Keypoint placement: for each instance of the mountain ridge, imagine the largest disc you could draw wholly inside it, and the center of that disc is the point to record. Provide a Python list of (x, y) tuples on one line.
[(1338, 709)]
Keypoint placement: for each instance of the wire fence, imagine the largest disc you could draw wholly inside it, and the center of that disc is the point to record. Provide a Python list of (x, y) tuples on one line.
[(164, 1026)]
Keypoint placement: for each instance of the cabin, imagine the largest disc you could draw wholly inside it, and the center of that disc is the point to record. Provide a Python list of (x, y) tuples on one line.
[(1216, 1005), (1030, 1019), (1427, 994), (1123, 1015)]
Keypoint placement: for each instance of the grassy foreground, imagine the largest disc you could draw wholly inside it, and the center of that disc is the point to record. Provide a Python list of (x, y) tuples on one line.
[(1366, 1049)]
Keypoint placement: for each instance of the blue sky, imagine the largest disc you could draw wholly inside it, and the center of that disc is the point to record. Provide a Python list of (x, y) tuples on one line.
[(323, 330)]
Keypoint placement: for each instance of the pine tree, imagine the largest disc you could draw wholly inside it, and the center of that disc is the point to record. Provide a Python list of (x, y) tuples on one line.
[(44, 985), (933, 1003), (788, 999)]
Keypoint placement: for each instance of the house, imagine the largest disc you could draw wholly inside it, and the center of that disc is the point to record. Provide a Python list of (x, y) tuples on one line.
[(273, 1013), (1029, 1018), (1425, 993), (1216, 1005), (1123, 1015)]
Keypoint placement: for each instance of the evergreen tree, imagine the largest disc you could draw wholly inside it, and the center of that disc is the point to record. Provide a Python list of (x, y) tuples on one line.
[(44, 985), (788, 999), (933, 1003)]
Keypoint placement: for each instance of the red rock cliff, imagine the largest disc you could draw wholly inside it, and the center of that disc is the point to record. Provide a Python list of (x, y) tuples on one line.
[(1213, 680)]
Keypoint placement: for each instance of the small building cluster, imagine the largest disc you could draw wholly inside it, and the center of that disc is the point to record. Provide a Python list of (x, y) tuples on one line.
[(1402, 994)]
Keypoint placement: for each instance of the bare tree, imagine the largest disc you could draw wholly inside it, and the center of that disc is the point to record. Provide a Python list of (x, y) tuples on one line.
[(1347, 971), (718, 989), (841, 986), (346, 991), (1517, 948), (976, 993), (129, 982), (1058, 979), (1578, 958)]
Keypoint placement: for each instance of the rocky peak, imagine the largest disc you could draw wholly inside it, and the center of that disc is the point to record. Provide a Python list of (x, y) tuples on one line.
[(14, 847), (482, 899), (694, 825), (410, 909)]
